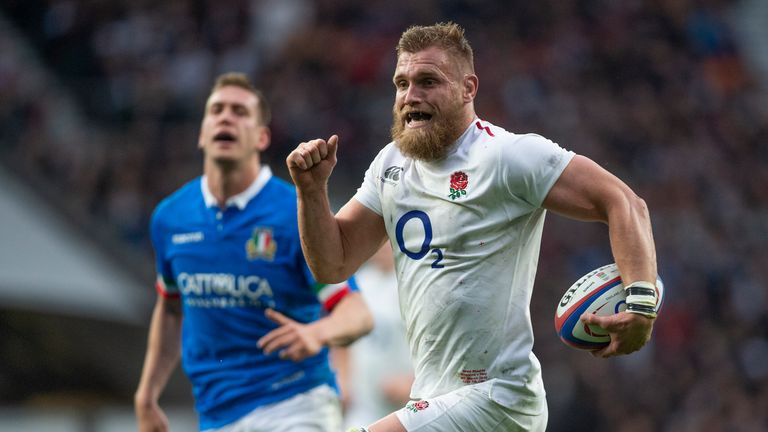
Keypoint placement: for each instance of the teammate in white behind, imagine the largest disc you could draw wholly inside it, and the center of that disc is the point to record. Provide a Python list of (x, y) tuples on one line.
[(380, 372), (463, 202)]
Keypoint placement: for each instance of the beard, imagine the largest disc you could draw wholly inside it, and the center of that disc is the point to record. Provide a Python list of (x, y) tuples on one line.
[(429, 143)]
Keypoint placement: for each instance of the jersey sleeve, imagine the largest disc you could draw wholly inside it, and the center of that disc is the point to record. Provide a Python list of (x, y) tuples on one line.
[(329, 295), (368, 192), (531, 165), (165, 284)]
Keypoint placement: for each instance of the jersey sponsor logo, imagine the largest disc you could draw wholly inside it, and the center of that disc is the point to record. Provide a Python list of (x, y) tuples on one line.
[(225, 290), (192, 237), (261, 245), (473, 376), (459, 182), (426, 244), (416, 406), (392, 175)]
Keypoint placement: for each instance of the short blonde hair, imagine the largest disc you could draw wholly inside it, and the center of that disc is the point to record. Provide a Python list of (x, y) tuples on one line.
[(448, 36), (237, 79)]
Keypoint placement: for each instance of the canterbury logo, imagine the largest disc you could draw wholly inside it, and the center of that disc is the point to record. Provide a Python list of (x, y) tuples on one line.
[(393, 173)]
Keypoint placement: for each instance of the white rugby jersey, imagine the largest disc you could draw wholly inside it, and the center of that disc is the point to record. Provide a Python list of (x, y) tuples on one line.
[(466, 232)]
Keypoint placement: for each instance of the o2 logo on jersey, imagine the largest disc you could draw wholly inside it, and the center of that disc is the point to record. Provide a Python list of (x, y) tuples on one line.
[(426, 247)]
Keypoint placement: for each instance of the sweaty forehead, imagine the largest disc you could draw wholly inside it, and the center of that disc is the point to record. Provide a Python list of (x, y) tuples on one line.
[(431, 59)]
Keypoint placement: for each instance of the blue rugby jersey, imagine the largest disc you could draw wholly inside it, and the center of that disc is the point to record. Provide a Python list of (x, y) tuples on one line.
[(228, 266)]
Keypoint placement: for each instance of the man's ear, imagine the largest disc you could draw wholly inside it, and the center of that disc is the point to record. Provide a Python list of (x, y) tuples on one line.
[(469, 87), (202, 124), (264, 138)]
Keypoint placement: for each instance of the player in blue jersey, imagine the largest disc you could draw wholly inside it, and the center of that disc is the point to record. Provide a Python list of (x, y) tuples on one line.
[(236, 300), (462, 202)]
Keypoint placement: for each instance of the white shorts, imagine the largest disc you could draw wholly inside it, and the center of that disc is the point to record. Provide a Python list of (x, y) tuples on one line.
[(317, 410), (469, 408)]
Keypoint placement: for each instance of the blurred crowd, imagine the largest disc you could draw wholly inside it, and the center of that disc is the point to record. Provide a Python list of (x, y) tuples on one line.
[(656, 91)]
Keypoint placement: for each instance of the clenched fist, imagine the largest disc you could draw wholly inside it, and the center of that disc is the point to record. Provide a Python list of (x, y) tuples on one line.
[(312, 162)]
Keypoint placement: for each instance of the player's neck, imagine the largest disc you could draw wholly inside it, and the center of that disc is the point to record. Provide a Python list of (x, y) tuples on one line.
[(469, 117), (224, 182)]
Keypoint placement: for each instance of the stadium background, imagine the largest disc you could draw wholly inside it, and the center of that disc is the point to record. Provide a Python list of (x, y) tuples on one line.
[(100, 103)]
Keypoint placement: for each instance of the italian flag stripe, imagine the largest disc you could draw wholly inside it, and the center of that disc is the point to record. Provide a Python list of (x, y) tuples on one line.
[(162, 288), (329, 295), (264, 240)]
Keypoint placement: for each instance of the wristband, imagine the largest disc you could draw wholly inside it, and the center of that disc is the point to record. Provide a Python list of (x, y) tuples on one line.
[(641, 298)]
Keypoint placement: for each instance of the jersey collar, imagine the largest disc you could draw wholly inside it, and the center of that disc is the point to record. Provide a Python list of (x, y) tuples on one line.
[(240, 200), (463, 138)]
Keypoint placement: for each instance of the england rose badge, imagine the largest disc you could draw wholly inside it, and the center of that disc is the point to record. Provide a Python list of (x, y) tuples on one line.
[(459, 182)]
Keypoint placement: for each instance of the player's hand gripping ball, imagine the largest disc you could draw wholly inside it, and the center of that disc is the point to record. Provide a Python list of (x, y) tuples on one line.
[(600, 292)]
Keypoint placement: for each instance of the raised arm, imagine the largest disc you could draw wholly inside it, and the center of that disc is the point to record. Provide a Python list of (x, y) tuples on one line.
[(334, 246), (586, 191)]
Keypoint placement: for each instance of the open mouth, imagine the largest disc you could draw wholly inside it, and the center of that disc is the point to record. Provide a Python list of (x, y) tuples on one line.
[(417, 118), (224, 136)]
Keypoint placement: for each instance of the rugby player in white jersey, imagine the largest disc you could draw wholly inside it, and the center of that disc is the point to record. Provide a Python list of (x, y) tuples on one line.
[(463, 203)]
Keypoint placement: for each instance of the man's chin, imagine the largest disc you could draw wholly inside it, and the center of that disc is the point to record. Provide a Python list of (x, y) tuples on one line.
[(412, 135), (422, 145), (222, 157)]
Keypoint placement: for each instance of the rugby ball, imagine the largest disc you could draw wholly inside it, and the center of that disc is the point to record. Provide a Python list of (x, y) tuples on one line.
[(599, 292)]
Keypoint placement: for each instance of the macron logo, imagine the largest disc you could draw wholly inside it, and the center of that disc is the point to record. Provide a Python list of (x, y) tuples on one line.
[(192, 237)]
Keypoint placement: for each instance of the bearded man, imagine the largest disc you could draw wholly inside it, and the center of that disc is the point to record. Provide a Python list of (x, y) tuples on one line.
[(462, 203)]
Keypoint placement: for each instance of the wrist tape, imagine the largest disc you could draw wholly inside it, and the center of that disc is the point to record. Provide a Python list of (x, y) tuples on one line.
[(641, 298)]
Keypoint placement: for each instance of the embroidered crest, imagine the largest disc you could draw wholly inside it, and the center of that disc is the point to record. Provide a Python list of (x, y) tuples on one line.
[(416, 406), (261, 245), (459, 181)]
